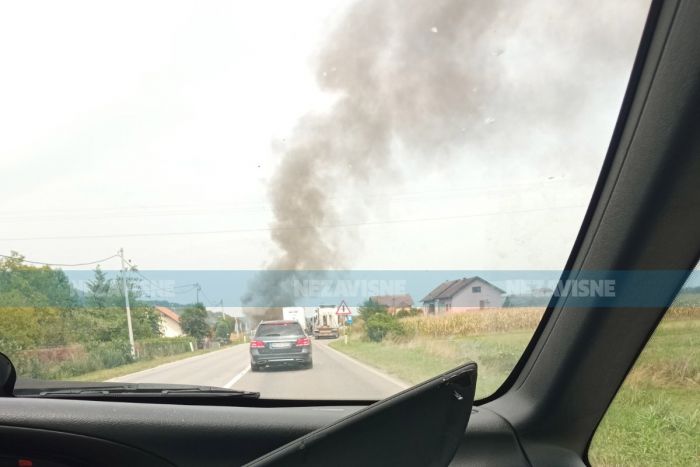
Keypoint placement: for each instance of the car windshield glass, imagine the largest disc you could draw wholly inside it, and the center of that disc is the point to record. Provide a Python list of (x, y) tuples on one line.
[(403, 179), (281, 330)]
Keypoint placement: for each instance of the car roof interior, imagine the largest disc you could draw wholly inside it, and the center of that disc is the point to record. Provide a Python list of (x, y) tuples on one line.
[(644, 215)]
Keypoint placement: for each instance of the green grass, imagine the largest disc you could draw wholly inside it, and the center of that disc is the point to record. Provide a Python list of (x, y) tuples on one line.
[(109, 373), (654, 420), (650, 427), (420, 358), (393, 359)]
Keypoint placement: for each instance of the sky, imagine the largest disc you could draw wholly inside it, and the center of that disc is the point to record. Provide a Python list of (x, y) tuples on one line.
[(160, 126)]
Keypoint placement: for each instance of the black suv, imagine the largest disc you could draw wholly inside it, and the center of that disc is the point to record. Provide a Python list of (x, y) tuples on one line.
[(280, 343)]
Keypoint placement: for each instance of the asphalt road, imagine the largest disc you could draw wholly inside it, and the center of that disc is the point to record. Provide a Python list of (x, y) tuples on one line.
[(334, 375)]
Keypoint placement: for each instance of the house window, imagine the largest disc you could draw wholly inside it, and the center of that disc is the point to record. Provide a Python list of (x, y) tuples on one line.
[(476, 289)]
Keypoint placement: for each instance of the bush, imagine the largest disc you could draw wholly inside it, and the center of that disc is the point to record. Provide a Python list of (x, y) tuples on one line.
[(409, 313), (223, 330), (379, 325), (193, 321), (164, 346), (109, 354), (369, 309), (64, 362)]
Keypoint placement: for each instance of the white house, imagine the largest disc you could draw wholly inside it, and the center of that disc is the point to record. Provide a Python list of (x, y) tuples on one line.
[(468, 293), (169, 322)]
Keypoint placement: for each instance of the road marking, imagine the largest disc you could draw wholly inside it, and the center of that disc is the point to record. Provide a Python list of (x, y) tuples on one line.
[(236, 378), (165, 366)]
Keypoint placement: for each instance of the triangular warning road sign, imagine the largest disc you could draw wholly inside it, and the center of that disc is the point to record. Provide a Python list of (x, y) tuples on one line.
[(342, 309)]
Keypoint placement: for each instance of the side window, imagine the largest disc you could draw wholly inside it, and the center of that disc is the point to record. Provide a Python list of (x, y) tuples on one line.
[(476, 289), (655, 417)]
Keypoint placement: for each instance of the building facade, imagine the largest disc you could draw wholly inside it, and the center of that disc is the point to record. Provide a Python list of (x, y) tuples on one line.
[(461, 295)]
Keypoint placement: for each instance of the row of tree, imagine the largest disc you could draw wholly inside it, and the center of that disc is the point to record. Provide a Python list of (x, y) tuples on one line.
[(194, 321), (39, 307)]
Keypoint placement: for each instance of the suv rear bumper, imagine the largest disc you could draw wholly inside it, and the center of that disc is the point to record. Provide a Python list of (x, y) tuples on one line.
[(303, 357)]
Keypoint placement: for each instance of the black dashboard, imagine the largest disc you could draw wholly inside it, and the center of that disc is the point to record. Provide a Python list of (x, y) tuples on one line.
[(75, 433)]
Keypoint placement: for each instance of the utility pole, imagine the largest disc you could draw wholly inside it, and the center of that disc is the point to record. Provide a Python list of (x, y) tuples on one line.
[(126, 301), (197, 292)]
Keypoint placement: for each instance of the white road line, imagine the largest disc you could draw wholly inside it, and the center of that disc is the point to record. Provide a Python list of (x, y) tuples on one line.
[(236, 378), (171, 364)]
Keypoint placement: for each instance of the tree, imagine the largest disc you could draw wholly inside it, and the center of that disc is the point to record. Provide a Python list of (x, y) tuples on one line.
[(369, 308), (379, 325), (103, 318), (193, 321), (35, 304), (99, 289), (409, 313), (25, 285), (223, 329), (145, 319)]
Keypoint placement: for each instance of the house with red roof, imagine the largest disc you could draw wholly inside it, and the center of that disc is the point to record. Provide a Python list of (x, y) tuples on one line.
[(169, 322), (393, 303)]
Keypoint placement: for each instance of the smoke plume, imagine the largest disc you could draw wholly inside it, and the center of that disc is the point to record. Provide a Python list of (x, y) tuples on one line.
[(422, 76)]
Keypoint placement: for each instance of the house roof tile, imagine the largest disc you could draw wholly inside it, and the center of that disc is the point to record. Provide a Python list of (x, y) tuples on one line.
[(396, 301), (448, 289), (169, 313)]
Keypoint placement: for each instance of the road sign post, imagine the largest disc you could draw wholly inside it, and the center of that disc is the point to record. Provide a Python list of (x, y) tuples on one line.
[(344, 311)]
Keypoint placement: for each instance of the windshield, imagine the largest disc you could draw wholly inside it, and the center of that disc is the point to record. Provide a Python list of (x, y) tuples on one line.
[(404, 181), (282, 330)]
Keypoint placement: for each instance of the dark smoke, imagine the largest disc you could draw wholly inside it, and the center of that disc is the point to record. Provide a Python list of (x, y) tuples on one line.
[(419, 75), (403, 72)]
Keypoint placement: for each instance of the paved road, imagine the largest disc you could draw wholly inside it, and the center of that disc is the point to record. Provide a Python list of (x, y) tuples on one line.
[(334, 375)]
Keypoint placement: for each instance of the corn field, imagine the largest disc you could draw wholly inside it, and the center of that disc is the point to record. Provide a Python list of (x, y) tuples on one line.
[(683, 312), (473, 322), (497, 320)]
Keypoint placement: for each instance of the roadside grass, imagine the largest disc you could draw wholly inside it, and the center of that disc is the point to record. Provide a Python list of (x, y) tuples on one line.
[(651, 427), (654, 420), (109, 373), (655, 417), (420, 358), (494, 339)]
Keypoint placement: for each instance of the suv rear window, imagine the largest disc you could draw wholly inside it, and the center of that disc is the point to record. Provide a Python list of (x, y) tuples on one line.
[(290, 329)]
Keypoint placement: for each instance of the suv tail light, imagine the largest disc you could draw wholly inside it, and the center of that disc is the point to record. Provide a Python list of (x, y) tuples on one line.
[(303, 341), (257, 344)]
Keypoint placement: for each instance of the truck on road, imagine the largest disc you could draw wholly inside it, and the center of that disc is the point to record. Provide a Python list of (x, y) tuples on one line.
[(326, 323), (294, 313)]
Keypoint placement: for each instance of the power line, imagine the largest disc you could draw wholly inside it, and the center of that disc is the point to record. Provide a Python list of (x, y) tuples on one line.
[(209, 301), (162, 289), (136, 271), (59, 264), (298, 227), (177, 209)]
